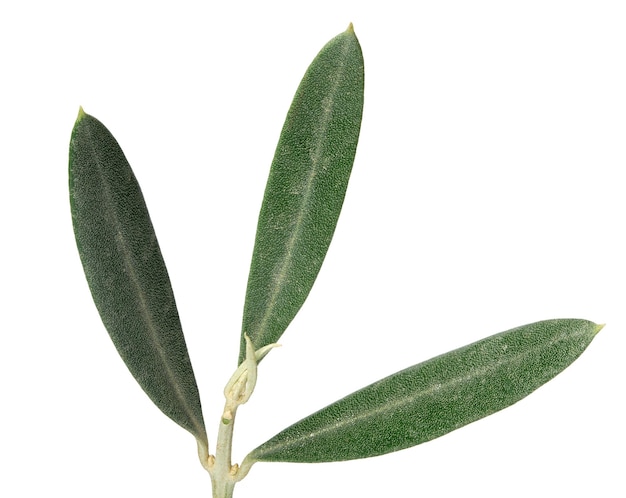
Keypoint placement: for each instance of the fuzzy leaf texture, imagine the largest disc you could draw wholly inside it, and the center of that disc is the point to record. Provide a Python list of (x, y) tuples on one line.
[(127, 275), (305, 189), (435, 397)]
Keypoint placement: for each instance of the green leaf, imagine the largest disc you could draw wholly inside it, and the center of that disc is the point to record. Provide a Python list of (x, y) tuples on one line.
[(126, 273), (435, 397), (305, 189)]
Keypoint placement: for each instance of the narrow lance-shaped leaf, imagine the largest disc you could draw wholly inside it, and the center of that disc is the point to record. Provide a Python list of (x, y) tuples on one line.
[(435, 397), (305, 189), (127, 275)]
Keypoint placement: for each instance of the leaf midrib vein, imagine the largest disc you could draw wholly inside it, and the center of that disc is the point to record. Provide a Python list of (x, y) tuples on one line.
[(399, 403), (126, 253), (280, 275)]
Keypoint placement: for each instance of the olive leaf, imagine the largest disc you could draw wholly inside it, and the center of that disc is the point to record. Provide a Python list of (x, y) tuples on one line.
[(305, 189), (127, 275), (435, 397)]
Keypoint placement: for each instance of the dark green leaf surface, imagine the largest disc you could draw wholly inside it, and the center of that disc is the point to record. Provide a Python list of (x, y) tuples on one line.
[(126, 273), (435, 397), (305, 189)]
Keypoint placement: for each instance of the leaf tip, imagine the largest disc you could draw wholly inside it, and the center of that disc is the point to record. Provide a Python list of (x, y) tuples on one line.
[(350, 28), (598, 328), (81, 113)]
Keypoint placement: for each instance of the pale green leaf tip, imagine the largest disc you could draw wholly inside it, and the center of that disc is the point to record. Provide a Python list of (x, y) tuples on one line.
[(598, 328), (350, 29), (81, 113)]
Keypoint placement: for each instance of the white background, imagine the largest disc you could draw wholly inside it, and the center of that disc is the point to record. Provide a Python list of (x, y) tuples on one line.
[(487, 192)]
